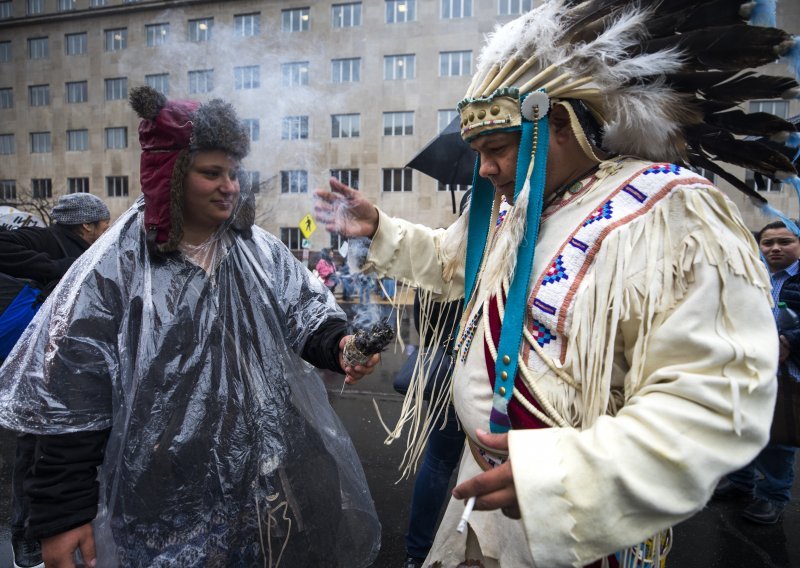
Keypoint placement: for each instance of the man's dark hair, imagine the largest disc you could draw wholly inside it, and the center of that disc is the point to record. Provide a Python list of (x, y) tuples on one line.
[(773, 225), (74, 229)]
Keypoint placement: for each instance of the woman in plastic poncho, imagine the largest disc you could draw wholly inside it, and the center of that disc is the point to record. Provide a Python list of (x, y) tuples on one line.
[(169, 361)]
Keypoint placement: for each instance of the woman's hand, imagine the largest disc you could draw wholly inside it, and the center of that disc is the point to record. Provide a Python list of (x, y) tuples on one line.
[(494, 488), (345, 211), (59, 551), (355, 374)]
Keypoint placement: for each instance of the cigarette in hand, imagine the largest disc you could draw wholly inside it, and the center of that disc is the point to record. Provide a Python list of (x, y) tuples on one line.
[(462, 524)]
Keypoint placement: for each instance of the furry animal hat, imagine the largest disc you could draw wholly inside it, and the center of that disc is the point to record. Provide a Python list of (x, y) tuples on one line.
[(170, 132)]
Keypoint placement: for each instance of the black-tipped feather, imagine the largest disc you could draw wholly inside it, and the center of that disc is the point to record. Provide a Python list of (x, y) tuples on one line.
[(752, 124), (748, 154), (732, 86), (725, 48), (698, 160)]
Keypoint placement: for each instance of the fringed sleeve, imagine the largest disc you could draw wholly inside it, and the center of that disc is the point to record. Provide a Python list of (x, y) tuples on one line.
[(425, 258), (680, 302)]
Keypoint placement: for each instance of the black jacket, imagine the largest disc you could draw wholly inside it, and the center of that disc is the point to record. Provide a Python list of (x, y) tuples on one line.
[(62, 485), (790, 294), (42, 254)]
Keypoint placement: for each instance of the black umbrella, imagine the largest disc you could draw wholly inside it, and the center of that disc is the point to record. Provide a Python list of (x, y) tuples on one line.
[(447, 158)]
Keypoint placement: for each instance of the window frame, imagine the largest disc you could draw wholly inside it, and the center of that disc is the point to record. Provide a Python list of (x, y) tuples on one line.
[(119, 185), (405, 129), (294, 182), (396, 67), (78, 185), (75, 135), (294, 127), (38, 47), (154, 80), (353, 67), (112, 42), (156, 34), (117, 87), (194, 29), (247, 25), (393, 9), (405, 180), (116, 137), (42, 188), (246, 77), (346, 15), (72, 47), (73, 87), (447, 9), (38, 95), (346, 123), (207, 76), (294, 74), (295, 20), (8, 144), (446, 63)]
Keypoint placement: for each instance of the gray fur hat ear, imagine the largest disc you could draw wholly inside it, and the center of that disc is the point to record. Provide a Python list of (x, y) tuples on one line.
[(216, 127), (147, 102)]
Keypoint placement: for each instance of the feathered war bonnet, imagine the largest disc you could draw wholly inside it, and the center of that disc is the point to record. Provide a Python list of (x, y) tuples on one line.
[(662, 78), (170, 133)]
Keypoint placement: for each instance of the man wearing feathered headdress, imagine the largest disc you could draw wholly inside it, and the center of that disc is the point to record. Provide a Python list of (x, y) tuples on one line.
[(616, 342)]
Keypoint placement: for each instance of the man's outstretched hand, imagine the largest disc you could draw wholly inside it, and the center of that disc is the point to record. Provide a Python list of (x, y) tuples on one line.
[(345, 211)]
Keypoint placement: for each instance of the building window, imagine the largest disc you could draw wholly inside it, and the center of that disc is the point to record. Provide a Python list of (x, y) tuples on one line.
[(200, 30), (346, 70), (252, 179), (6, 10), (8, 189), (247, 77), (453, 187), (345, 125), (77, 140), (66, 5), (455, 63), (201, 81), (159, 81), (294, 20), (97, 3), (75, 44), (398, 123), (294, 74), (117, 186), (116, 39), (38, 48), (514, 7), (78, 185), (396, 179), (253, 128), (247, 25), (452, 9), (445, 117), (40, 143), (778, 108), (346, 15), (156, 34), (396, 67), (347, 177), (291, 237), (7, 98), (77, 92), (42, 188), (399, 11), (39, 95), (294, 128), (294, 181), (34, 7), (116, 138), (116, 88), (5, 51), (7, 146)]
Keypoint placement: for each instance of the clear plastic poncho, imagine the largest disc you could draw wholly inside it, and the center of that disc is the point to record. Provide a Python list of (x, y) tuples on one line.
[(224, 449)]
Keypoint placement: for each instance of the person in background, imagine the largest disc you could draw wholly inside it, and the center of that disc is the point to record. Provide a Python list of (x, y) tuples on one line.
[(766, 496), (327, 270), (176, 423), (42, 255)]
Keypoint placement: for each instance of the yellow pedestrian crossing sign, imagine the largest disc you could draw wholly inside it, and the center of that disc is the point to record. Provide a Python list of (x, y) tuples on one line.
[(307, 226)]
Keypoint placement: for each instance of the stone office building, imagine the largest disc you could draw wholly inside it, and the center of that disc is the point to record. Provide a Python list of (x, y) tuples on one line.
[(351, 89)]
